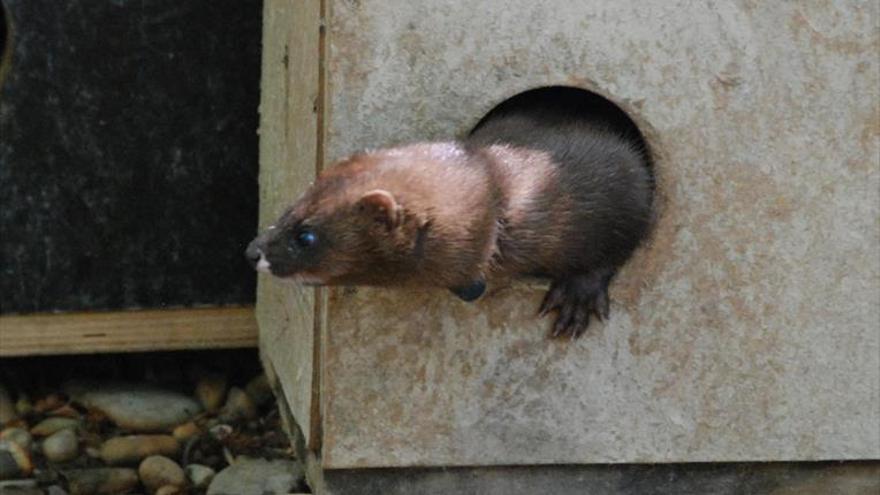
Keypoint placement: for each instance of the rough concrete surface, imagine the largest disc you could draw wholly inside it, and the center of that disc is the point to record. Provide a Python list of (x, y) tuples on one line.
[(747, 329)]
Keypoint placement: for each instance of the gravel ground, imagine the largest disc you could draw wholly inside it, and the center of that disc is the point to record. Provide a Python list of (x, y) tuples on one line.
[(161, 423)]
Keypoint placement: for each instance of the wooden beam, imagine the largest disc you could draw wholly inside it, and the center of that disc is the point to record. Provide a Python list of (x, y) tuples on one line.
[(127, 331)]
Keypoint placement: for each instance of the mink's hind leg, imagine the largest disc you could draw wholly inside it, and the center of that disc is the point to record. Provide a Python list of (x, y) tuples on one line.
[(575, 298)]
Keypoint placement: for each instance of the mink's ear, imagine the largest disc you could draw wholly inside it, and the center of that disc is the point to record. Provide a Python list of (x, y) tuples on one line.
[(381, 206)]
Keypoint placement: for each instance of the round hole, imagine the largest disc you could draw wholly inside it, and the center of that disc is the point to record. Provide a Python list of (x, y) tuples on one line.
[(604, 186), (564, 102)]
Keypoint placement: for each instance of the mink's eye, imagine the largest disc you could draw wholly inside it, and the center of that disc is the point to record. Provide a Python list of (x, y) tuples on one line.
[(306, 238)]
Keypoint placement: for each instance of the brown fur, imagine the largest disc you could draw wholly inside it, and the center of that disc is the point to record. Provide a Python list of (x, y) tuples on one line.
[(536, 190), (443, 236)]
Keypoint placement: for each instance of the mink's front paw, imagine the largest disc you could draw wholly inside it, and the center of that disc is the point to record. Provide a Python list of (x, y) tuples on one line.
[(575, 298)]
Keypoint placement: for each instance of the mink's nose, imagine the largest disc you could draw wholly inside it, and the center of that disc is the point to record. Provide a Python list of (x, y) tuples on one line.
[(253, 253)]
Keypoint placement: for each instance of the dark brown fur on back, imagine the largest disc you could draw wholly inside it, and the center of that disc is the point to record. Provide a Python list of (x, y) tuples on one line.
[(586, 203)]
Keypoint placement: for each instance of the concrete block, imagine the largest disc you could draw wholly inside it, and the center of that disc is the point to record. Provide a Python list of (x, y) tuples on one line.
[(747, 329)]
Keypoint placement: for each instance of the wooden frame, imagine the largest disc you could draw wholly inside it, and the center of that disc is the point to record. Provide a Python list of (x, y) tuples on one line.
[(127, 331)]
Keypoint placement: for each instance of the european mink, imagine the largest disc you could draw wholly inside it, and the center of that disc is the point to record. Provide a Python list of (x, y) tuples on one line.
[(543, 187)]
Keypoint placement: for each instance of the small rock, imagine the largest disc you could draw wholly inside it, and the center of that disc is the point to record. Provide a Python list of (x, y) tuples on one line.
[(66, 411), (93, 452), (221, 432), (186, 431), (46, 476), (101, 481), (49, 426), (7, 407), (199, 476), (133, 448), (238, 406), (8, 467), (158, 471), (169, 490), (61, 446), (48, 403), (210, 391), (15, 462), (258, 476), (90, 437), (56, 490), (23, 406), (21, 491), (136, 407), (259, 390), (19, 436), (20, 487)]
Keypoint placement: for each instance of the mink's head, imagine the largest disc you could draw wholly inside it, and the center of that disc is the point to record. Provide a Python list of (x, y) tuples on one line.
[(341, 231)]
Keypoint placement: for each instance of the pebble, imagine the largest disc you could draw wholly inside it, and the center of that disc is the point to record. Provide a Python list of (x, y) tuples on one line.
[(48, 403), (19, 436), (199, 476), (258, 476), (8, 467), (133, 448), (259, 390), (21, 491), (210, 391), (158, 471), (49, 426), (61, 446), (169, 490), (66, 411), (7, 407), (15, 462), (238, 406), (101, 481), (23, 406), (136, 407), (47, 476), (221, 432), (186, 431), (20, 487), (17, 485), (56, 490)]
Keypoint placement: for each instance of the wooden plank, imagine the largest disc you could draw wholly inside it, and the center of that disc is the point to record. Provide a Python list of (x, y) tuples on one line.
[(127, 331), (291, 103)]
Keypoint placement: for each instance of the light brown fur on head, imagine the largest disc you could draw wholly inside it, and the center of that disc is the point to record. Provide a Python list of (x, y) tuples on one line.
[(417, 215)]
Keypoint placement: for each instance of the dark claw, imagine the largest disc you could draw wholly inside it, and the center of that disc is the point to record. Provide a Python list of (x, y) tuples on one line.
[(565, 319), (581, 321), (602, 305), (552, 299), (576, 299)]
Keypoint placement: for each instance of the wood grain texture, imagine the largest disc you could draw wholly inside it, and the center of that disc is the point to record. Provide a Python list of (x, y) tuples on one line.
[(289, 142), (128, 331)]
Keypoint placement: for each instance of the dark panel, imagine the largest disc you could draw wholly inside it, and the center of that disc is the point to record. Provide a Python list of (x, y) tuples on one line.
[(774, 478), (128, 154)]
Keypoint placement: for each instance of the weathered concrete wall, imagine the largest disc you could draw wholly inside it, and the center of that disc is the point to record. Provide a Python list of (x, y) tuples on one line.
[(749, 327)]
